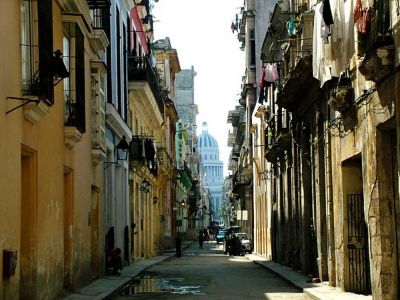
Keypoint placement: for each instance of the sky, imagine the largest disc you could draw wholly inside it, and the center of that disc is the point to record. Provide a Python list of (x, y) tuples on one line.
[(200, 32)]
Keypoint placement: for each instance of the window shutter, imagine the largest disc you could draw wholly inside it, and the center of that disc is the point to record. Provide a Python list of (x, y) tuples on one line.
[(80, 80), (45, 24), (125, 78)]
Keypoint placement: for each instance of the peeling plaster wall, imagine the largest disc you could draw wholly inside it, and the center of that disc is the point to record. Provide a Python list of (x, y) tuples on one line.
[(367, 143)]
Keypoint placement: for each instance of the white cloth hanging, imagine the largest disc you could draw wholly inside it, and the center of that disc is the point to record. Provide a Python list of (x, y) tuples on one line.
[(321, 70)]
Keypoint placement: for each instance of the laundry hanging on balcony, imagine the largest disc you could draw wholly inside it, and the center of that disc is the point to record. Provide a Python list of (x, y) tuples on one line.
[(362, 17), (150, 152), (291, 29), (327, 13), (144, 151), (271, 72), (262, 85), (321, 69), (136, 149)]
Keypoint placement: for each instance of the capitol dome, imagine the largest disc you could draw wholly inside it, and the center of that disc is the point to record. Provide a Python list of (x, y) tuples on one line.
[(211, 169), (206, 140)]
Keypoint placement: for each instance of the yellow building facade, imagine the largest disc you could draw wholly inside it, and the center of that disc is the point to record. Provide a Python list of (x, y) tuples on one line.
[(50, 181)]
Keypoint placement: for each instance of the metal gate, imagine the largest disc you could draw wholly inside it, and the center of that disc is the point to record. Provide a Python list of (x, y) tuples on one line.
[(358, 245)]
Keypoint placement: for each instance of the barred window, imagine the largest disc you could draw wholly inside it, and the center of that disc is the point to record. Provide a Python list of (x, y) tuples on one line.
[(37, 48), (29, 45), (67, 81)]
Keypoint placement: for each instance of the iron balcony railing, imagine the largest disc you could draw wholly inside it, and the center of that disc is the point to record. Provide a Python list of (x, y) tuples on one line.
[(140, 69)]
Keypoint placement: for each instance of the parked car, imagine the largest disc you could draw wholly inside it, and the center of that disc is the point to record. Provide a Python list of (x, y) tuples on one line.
[(246, 246), (238, 244), (220, 236)]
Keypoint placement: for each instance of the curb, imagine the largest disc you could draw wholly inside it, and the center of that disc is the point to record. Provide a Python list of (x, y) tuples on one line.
[(167, 255), (316, 291)]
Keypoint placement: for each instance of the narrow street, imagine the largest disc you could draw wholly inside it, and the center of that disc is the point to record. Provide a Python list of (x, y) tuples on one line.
[(209, 274)]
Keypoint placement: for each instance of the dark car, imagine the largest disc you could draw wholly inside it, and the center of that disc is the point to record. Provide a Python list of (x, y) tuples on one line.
[(228, 245), (220, 236)]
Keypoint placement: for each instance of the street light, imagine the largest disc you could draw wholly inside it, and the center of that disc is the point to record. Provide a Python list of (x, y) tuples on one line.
[(122, 152), (122, 149)]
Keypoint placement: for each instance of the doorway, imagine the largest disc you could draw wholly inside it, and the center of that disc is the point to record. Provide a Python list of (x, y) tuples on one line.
[(68, 227), (28, 251), (94, 232), (356, 232)]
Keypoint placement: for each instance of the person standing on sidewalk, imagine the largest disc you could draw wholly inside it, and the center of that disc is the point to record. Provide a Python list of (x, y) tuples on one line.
[(178, 245), (133, 232)]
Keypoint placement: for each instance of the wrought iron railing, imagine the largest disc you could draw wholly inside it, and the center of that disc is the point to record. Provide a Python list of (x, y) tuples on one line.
[(140, 69)]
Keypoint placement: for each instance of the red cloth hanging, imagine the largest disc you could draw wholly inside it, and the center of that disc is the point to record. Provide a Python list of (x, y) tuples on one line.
[(358, 11), (262, 80)]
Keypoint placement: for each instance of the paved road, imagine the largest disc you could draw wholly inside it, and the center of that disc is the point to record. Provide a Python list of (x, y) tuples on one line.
[(209, 274)]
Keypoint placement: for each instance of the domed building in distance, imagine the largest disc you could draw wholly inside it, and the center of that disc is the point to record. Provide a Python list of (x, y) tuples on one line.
[(211, 170)]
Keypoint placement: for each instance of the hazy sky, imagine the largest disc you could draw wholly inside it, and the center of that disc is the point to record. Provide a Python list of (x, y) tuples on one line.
[(200, 32)]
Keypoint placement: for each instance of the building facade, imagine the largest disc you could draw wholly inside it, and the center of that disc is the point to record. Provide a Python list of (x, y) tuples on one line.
[(53, 230), (146, 108), (116, 170), (168, 66), (331, 148)]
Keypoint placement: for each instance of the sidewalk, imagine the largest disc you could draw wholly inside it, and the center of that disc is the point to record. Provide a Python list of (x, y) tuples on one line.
[(318, 291), (104, 286)]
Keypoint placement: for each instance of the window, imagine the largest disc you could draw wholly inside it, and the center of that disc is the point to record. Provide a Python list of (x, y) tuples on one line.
[(125, 77), (67, 85), (252, 48), (74, 86), (96, 15), (119, 85), (37, 48)]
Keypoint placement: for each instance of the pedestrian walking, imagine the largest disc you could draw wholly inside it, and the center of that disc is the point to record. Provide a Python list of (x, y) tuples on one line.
[(201, 239), (205, 234)]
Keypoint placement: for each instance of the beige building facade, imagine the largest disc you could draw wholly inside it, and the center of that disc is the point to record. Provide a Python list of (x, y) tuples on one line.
[(331, 115)]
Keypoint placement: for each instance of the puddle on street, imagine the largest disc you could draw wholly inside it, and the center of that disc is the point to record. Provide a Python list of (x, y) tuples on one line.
[(157, 284)]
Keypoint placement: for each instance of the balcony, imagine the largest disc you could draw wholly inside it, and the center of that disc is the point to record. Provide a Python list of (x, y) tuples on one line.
[(342, 96), (243, 180), (236, 116), (98, 38), (376, 45), (292, 91), (231, 138), (274, 152), (378, 60), (140, 69), (284, 139), (271, 50), (165, 160)]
